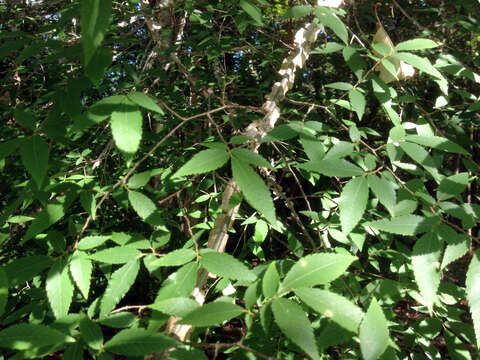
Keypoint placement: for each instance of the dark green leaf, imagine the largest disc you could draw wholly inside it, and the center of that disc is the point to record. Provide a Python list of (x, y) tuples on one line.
[(138, 342), (403, 225), (333, 167), (473, 292), (24, 269), (95, 18), (3, 290), (212, 314), (28, 336), (329, 19), (270, 281), (34, 153), (252, 10), (145, 101), (91, 333), (225, 265), (298, 12)]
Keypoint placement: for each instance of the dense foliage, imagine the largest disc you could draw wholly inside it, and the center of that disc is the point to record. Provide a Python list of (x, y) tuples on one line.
[(239, 179)]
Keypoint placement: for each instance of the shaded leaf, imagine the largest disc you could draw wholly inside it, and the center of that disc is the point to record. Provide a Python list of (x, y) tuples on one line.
[(116, 255), (251, 158), (298, 11), (473, 292), (383, 190), (34, 154), (3, 290), (145, 101), (253, 11), (176, 306), (212, 314), (138, 342), (333, 167), (452, 186), (26, 268), (95, 18), (329, 19), (28, 336), (358, 102), (91, 333)]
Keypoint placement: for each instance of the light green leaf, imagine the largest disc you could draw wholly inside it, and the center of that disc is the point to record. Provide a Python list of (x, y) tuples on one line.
[(176, 306), (403, 225), (126, 124), (253, 11), (145, 101), (298, 11), (472, 284), (340, 150), (416, 44), (175, 258), (139, 179), (142, 204), (457, 246), (329, 48), (26, 268), (251, 295), (95, 17), (353, 202), (329, 19), (34, 154), (254, 189), (116, 255), (118, 285), (88, 202), (373, 334), (333, 306), (358, 102), (420, 63), (293, 322), (91, 333), (452, 186), (212, 314), (426, 265), (59, 288), (251, 158), (340, 86), (316, 269), (3, 290), (333, 167), (29, 336), (270, 281), (138, 342), (203, 162), (225, 265), (422, 157), (81, 270), (90, 242), (383, 190), (179, 284)]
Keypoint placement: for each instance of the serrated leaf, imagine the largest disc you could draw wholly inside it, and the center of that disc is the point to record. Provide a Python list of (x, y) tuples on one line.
[(139, 179), (298, 11), (329, 19), (179, 284), (251, 158), (74, 352), (90, 242), (29, 336), (99, 63), (116, 255), (416, 44), (383, 190), (176, 306), (422, 157), (254, 189), (119, 320), (59, 288), (420, 63), (456, 248), (358, 102), (205, 161), (353, 202), (98, 112), (426, 265), (403, 225), (175, 258), (253, 11), (340, 86), (142, 204), (251, 295), (472, 284), (333, 306), (316, 269), (225, 265), (452, 186), (3, 290), (126, 124), (34, 154), (138, 342), (88, 202), (81, 270), (212, 314), (91, 333), (145, 101), (53, 212), (95, 18), (26, 268), (118, 285), (340, 150), (270, 281), (373, 334), (333, 167), (293, 322)]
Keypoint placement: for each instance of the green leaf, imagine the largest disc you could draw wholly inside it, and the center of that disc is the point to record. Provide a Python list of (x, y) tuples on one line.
[(175, 258), (403, 225), (420, 63), (416, 44), (91, 333), (270, 281), (81, 270), (87, 200), (472, 284), (254, 189), (29, 336), (99, 63), (138, 342), (425, 262), (316, 269), (9, 147), (203, 162), (329, 19), (340, 150), (179, 284), (26, 268), (457, 246), (176, 306), (298, 11), (3, 290), (358, 102), (25, 118), (95, 18), (333, 306), (34, 154), (74, 352), (119, 320), (340, 86), (118, 285), (59, 288), (253, 11), (373, 334), (90, 242), (116, 255), (145, 101), (98, 112), (212, 314), (251, 158), (452, 186), (225, 265), (353, 202), (422, 157), (293, 322), (142, 204), (383, 190), (139, 179), (126, 124), (53, 212), (333, 167)]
